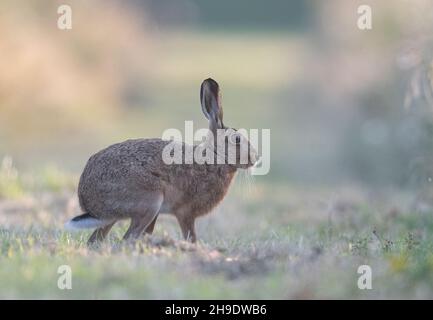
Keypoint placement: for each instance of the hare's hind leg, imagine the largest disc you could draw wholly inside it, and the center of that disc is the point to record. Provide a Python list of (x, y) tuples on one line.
[(151, 226), (99, 234), (139, 225), (145, 218), (187, 225)]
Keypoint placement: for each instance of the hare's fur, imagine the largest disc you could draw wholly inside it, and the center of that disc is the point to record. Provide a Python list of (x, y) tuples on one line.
[(131, 180)]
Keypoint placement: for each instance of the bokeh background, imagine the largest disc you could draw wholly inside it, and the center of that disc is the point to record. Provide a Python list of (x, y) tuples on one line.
[(351, 120), (342, 104)]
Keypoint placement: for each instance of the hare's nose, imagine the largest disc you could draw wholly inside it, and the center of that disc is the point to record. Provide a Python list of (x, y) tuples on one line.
[(255, 158)]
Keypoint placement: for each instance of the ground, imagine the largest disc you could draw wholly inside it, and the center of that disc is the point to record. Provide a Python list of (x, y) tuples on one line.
[(265, 241)]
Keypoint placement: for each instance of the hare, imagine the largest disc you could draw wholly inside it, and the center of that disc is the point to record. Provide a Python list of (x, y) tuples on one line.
[(130, 180)]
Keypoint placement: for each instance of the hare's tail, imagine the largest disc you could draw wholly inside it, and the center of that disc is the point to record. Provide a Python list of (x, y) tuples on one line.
[(85, 221)]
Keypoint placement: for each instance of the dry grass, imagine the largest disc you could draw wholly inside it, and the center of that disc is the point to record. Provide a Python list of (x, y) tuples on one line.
[(268, 242)]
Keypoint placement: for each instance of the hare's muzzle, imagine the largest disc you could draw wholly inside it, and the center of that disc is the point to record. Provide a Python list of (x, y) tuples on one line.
[(254, 159)]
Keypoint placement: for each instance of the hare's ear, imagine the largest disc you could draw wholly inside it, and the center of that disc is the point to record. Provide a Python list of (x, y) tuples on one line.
[(211, 104)]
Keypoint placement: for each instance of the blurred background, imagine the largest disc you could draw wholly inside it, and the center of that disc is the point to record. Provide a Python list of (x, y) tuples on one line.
[(344, 106), (351, 119)]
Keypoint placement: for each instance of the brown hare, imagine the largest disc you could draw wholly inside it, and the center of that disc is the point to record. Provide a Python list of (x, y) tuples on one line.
[(130, 180)]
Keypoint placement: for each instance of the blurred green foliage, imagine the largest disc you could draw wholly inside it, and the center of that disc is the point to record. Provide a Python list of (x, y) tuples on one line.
[(335, 98)]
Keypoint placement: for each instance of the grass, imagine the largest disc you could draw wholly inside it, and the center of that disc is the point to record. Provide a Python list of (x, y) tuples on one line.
[(14, 185), (270, 242), (10, 184)]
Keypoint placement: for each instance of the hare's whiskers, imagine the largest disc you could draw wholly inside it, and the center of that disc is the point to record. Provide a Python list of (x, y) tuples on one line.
[(246, 182)]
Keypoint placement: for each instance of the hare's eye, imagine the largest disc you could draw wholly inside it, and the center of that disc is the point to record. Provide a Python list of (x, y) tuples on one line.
[(235, 139)]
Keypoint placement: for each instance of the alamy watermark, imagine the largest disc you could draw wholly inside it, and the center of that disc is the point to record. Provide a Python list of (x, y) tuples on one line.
[(64, 282), (227, 146), (365, 19), (365, 280), (64, 21)]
